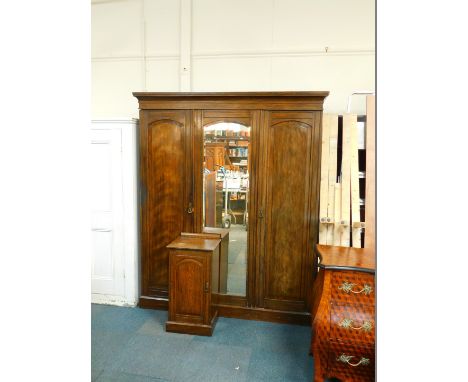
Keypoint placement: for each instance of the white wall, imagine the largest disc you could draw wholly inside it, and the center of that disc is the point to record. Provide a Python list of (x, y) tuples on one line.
[(230, 45)]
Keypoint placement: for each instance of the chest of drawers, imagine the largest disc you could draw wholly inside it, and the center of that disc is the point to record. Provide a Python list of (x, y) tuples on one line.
[(343, 315)]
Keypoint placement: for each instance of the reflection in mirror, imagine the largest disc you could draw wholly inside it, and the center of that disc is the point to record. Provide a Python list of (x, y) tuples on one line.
[(226, 198)]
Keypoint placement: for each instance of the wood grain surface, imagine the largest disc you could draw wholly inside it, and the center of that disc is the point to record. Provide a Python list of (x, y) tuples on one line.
[(195, 243)]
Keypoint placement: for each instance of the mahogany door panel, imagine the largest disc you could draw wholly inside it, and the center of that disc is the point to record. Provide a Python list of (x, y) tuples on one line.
[(290, 192), (166, 177)]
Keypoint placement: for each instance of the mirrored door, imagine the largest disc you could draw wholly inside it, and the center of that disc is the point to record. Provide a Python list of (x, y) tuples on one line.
[(226, 169)]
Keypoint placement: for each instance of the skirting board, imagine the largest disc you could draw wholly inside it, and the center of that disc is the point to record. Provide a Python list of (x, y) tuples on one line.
[(111, 300), (241, 312)]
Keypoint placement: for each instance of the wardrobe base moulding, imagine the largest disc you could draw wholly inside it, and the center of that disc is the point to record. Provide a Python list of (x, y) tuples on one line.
[(240, 312), (268, 315)]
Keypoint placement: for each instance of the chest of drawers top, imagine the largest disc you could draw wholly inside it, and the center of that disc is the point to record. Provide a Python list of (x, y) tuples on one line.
[(346, 258)]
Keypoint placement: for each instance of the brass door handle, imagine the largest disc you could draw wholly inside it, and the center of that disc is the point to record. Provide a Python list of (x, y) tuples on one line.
[(190, 208), (348, 287), (347, 323), (207, 287), (260, 213), (347, 359)]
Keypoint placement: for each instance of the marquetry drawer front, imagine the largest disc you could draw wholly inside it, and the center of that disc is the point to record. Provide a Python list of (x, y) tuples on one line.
[(353, 288), (352, 323), (351, 363)]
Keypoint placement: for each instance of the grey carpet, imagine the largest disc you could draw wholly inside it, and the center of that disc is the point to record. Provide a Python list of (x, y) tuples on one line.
[(130, 344)]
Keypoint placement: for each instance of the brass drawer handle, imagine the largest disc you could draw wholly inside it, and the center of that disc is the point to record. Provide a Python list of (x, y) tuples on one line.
[(348, 287), (347, 359), (347, 323)]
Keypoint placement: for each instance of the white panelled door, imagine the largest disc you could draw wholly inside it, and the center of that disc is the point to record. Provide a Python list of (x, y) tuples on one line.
[(113, 276)]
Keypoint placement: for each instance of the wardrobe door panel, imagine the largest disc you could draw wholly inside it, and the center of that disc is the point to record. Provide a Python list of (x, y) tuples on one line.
[(288, 194), (168, 180)]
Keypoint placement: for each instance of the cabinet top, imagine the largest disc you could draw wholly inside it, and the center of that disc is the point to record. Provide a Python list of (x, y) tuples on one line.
[(222, 232), (195, 243), (346, 258), (312, 101), (320, 94)]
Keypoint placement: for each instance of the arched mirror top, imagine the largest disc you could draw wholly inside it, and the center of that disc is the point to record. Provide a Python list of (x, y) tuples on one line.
[(230, 124)]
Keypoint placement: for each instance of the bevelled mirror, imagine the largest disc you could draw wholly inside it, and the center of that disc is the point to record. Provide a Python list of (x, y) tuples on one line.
[(226, 197)]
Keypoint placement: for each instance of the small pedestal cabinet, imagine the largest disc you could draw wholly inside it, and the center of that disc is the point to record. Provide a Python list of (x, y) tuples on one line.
[(193, 277)]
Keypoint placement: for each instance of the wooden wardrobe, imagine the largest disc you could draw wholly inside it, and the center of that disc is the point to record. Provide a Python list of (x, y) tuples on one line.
[(284, 193)]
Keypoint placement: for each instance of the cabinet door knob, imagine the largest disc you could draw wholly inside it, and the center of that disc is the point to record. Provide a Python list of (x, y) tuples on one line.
[(207, 287), (260, 213)]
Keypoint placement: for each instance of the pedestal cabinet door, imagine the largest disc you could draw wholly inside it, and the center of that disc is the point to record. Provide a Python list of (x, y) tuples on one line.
[(189, 287), (166, 195), (289, 208)]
